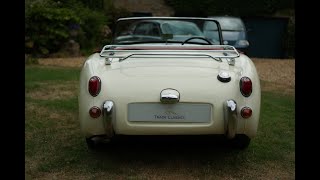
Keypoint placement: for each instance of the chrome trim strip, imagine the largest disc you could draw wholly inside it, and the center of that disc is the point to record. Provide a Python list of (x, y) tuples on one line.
[(109, 116), (121, 58), (230, 118)]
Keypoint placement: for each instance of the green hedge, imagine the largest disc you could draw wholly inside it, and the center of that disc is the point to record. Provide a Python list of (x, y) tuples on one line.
[(50, 24)]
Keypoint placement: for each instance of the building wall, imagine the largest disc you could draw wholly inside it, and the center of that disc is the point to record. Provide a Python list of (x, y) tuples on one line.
[(156, 7)]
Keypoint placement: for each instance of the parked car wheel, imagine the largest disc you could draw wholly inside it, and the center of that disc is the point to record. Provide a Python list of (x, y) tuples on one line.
[(92, 145), (97, 142), (241, 141)]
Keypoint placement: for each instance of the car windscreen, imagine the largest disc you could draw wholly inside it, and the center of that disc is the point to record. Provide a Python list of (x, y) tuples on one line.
[(154, 30), (230, 24)]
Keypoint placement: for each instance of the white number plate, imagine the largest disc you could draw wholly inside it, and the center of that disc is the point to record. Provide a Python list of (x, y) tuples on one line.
[(180, 112)]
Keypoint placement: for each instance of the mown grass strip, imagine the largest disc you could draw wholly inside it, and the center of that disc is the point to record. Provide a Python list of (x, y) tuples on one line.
[(43, 73)]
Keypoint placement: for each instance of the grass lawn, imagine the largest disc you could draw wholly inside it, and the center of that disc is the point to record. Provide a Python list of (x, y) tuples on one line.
[(55, 148)]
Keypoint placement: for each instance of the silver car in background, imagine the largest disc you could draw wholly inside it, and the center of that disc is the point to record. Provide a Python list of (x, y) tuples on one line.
[(234, 32)]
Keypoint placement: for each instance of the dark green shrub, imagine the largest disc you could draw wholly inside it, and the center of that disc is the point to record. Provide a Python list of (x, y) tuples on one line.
[(30, 60), (47, 26), (51, 23)]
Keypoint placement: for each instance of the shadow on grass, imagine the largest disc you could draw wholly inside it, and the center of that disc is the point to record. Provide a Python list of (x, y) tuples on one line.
[(136, 156), (166, 148)]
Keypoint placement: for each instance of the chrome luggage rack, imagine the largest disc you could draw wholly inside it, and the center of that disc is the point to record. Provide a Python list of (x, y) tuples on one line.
[(141, 51)]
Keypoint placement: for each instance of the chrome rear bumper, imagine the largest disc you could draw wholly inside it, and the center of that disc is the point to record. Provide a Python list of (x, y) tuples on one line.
[(109, 116), (230, 118)]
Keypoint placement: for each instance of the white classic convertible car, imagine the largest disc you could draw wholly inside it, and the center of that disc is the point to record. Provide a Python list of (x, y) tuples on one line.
[(168, 76)]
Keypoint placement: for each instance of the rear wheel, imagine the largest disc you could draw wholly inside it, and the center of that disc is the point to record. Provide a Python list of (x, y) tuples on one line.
[(91, 144), (240, 141), (97, 142)]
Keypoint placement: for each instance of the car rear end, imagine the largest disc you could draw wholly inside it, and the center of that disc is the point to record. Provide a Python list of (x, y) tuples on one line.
[(169, 96), (192, 85)]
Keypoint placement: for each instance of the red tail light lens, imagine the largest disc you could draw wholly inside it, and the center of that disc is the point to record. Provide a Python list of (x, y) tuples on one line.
[(95, 112), (246, 112), (245, 86), (94, 86)]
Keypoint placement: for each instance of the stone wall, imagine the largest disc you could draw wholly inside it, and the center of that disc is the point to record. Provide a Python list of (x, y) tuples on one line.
[(156, 7)]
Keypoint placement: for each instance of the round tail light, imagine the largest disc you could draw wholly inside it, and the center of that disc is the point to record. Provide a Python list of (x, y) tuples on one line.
[(245, 86), (95, 112), (94, 86), (246, 112)]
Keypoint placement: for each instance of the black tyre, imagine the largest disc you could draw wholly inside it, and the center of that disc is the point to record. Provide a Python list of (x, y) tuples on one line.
[(240, 141), (98, 142), (92, 145)]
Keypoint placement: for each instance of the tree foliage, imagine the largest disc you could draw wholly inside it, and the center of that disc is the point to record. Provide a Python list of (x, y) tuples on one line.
[(50, 23)]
